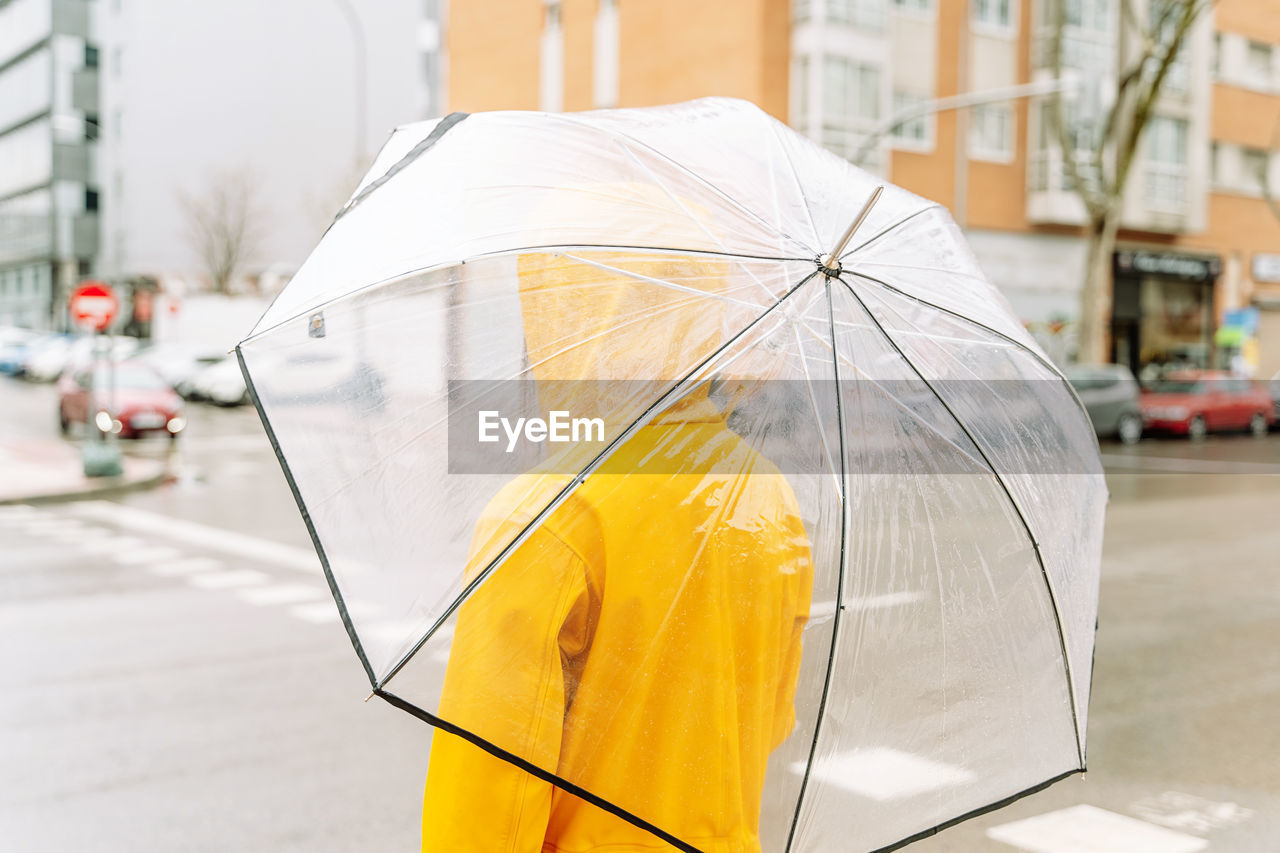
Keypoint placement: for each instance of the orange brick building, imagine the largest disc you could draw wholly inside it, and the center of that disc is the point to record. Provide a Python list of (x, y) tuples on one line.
[(1199, 240)]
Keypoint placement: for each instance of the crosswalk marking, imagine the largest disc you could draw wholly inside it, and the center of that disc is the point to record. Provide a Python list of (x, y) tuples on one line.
[(201, 536), (145, 555), (227, 580), (883, 774), (111, 544), (185, 566), (1088, 829), (284, 594), (316, 614)]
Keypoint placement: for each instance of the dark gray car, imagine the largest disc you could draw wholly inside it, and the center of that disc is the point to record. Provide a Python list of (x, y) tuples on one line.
[(1110, 396)]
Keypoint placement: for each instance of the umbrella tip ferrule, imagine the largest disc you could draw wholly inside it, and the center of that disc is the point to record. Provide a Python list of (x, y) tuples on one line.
[(829, 264)]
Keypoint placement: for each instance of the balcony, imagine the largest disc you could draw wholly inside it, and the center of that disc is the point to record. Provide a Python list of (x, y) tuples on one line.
[(84, 90), (84, 235)]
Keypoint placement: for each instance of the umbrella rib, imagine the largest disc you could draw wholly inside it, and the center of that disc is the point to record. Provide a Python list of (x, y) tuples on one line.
[(532, 769), (840, 578), (626, 137), (813, 402), (903, 221), (795, 176), (668, 284), (329, 577), (498, 253), (1044, 362), (681, 204), (905, 408), (1017, 508), (599, 459)]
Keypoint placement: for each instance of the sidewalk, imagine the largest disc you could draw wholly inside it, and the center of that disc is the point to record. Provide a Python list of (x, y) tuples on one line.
[(47, 470)]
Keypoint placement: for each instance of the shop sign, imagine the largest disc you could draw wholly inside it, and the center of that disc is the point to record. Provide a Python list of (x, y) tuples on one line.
[(1168, 264), (1266, 267)]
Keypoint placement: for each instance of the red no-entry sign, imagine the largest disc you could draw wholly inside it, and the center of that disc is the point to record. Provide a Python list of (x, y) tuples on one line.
[(94, 305)]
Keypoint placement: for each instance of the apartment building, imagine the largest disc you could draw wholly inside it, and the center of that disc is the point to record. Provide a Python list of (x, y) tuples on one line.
[(48, 132), (1199, 247)]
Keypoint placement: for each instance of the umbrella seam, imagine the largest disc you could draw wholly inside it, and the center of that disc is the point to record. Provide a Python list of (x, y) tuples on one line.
[(1017, 507), (903, 221), (1012, 340), (795, 176), (840, 578), (587, 470), (626, 137), (256, 333)]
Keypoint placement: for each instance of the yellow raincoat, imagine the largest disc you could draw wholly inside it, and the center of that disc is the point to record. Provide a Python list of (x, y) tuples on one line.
[(644, 642)]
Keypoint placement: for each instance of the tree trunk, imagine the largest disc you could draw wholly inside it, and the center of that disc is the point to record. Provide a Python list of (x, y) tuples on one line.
[(1095, 296)]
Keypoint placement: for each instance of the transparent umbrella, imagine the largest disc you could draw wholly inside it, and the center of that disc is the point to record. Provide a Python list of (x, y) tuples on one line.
[(693, 486)]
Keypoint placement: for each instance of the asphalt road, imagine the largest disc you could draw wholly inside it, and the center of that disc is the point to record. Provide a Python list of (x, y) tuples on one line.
[(175, 677)]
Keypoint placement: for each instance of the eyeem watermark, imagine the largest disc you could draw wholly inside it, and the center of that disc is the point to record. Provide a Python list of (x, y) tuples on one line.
[(559, 428)]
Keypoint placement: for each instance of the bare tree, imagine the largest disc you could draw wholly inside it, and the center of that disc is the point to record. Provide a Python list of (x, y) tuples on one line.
[(1098, 158), (225, 224), (1264, 179)]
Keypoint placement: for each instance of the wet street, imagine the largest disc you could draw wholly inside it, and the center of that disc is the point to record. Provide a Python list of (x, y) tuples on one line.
[(175, 676)]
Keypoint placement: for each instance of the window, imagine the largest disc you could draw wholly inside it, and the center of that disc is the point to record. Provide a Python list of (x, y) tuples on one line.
[(1215, 58), (90, 56), (1258, 63), (91, 127), (800, 11), (90, 200), (915, 133), (605, 65), (1166, 166), (1254, 163), (991, 132), (850, 103), (914, 5), (800, 93), (993, 14), (850, 90), (551, 72), (866, 14)]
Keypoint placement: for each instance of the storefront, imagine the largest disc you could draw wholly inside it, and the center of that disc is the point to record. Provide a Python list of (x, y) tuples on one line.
[(1163, 310)]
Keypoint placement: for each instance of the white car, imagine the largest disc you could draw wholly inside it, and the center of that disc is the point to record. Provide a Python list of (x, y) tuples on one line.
[(63, 354), (221, 383)]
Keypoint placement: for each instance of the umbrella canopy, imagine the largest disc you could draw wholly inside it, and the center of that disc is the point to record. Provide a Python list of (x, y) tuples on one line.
[(676, 520)]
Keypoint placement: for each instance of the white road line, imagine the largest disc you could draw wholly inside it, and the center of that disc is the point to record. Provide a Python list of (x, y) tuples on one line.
[(111, 544), (189, 566), (286, 594), (1088, 829), (317, 614), (145, 555), (202, 536), (227, 580), (883, 774)]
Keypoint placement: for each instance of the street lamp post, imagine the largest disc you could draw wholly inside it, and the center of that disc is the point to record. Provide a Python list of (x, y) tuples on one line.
[(362, 74)]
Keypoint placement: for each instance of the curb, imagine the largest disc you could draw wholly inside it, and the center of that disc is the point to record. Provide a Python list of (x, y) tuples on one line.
[(108, 486)]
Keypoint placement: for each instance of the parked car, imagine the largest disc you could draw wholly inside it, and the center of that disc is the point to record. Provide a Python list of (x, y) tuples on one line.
[(1193, 403), (14, 344), (143, 401), (220, 383), (1110, 395), (179, 364), (1274, 385), (66, 354)]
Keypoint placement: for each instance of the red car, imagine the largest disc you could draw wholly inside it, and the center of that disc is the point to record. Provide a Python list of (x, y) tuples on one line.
[(1192, 403), (144, 402)]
